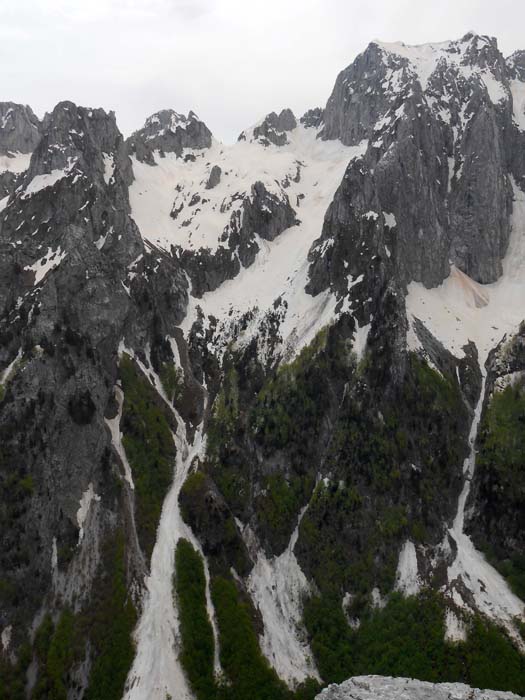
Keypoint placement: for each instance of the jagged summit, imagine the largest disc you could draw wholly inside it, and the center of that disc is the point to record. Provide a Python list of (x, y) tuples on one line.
[(169, 132), (83, 138), (19, 128), (472, 51), (272, 129)]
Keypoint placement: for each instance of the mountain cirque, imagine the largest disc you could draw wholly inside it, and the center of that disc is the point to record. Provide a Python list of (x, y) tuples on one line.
[(302, 354)]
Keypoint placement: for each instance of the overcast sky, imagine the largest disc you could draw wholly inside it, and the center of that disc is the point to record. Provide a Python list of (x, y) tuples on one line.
[(231, 61)]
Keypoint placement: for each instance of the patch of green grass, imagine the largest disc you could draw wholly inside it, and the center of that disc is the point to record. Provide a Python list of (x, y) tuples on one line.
[(149, 448)]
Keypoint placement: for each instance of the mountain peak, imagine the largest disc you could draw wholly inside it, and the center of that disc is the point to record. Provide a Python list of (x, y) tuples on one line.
[(168, 131), (19, 128), (272, 129)]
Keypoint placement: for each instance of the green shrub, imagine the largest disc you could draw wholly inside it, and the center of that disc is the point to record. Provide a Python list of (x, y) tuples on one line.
[(55, 652), (13, 676), (502, 443), (279, 503), (198, 645), (225, 415), (407, 638), (500, 464), (292, 402), (247, 670), (110, 622), (149, 448), (331, 637), (172, 381)]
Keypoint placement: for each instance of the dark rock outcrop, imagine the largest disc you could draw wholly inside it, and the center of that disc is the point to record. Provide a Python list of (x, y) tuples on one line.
[(313, 118), (273, 128), (19, 128), (438, 165), (76, 283), (168, 132), (262, 214), (214, 178)]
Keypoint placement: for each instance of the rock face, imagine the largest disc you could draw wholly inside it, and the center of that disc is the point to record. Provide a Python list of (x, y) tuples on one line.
[(262, 214), (439, 119), (77, 284), (169, 132), (273, 128), (215, 177), (19, 128), (497, 524), (313, 118), (379, 688)]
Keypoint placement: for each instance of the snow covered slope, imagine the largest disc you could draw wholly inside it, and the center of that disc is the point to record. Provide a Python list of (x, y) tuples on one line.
[(306, 170)]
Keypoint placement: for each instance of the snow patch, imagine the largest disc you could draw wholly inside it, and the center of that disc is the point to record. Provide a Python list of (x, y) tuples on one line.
[(390, 219), (424, 59), (41, 182), (157, 672), (15, 162), (116, 436), (378, 602), (360, 339), (109, 167), (54, 555), (6, 637), (517, 89), (455, 628), (281, 266), (45, 264), (8, 371), (461, 309), (86, 499), (407, 577), (277, 587)]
